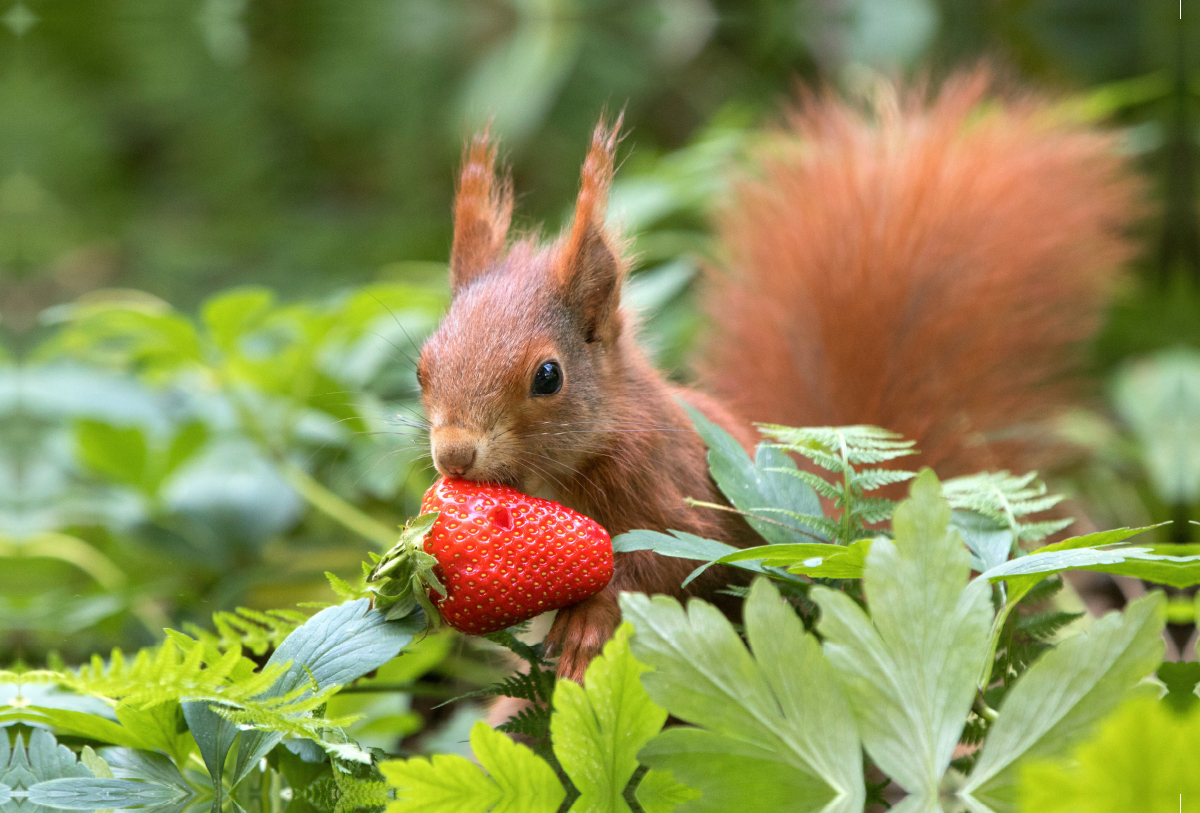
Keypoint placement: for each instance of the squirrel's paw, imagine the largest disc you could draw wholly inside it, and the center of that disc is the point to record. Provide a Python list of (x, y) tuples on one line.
[(580, 632)]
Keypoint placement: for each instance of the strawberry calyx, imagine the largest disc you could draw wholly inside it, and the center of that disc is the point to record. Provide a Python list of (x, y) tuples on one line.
[(402, 577)]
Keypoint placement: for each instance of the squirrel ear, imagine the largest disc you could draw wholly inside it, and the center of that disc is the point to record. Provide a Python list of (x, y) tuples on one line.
[(589, 265), (482, 212)]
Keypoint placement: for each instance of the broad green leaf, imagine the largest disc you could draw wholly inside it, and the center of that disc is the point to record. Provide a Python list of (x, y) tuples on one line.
[(187, 442), (118, 453), (334, 647), (1063, 695), (92, 794), (678, 544), (1138, 563), (214, 735), (658, 792), (232, 313), (438, 784), (598, 728), (128, 763), (527, 783), (158, 727), (752, 485), (79, 724), (1159, 398), (909, 670), (777, 734), (989, 544), (1142, 758), (817, 560), (95, 763)]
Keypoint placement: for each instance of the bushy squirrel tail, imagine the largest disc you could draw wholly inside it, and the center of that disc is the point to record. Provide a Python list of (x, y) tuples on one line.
[(930, 266)]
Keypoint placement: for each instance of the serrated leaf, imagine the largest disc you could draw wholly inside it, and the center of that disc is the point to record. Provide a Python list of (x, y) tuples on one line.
[(909, 669), (440, 783), (1141, 759), (871, 479), (598, 728), (776, 734), (751, 485), (1065, 693), (527, 783), (659, 792)]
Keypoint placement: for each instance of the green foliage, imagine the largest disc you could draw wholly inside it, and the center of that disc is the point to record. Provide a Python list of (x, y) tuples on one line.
[(910, 721), (757, 746), (921, 609), (1141, 758), (250, 629), (598, 728), (762, 485), (839, 450)]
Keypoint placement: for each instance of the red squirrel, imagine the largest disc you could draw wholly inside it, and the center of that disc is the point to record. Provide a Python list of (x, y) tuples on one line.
[(924, 266)]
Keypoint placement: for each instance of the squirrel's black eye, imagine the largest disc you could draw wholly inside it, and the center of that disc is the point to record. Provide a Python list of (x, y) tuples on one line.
[(548, 379)]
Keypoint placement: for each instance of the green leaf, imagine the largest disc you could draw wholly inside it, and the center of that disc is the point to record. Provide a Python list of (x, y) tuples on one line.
[(1159, 398), (1066, 692), (519, 781), (1085, 553), (1142, 759), (334, 647), (128, 763), (816, 560), (752, 485), (187, 442), (909, 669), (159, 726), (115, 452), (990, 544), (76, 723), (658, 792), (678, 544), (598, 728), (438, 784), (232, 313), (527, 783), (88, 793), (777, 734)]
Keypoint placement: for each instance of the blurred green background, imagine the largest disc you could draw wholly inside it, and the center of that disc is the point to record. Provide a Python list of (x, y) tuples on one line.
[(224, 223)]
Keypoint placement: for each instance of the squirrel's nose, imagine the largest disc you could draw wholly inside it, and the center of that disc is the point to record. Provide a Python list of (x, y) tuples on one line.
[(454, 456)]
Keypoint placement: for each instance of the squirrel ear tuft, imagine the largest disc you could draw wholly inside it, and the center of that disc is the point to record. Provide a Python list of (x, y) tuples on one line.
[(482, 212), (589, 264)]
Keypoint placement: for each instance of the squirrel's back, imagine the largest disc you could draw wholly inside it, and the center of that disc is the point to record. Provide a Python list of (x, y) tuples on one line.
[(929, 267)]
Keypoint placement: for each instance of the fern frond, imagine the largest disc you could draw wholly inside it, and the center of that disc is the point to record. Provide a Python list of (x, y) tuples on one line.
[(1044, 625), (825, 525), (872, 479), (250, 629), (818, 484), (1037, 531), (873, 509), (531, 721)]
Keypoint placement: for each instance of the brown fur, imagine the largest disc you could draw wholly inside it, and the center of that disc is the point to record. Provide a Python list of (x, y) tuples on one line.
[(932, 269), (927, 270)]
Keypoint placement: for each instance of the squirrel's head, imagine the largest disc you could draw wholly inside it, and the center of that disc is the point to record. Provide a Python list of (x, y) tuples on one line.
[(514, 379)]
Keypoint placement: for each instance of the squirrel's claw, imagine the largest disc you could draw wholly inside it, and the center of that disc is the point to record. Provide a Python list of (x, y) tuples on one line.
[(580, 632)]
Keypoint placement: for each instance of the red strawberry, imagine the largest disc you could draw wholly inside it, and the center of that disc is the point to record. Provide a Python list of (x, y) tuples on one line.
[(503, 556)]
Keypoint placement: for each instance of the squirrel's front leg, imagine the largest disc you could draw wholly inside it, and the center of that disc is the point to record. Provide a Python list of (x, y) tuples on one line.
[(580, 632)]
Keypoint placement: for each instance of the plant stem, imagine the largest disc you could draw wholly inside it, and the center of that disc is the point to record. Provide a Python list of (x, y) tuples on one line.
[(337, 509)]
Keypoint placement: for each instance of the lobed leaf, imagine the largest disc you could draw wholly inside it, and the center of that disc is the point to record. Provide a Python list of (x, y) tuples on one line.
[(909, 669)]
